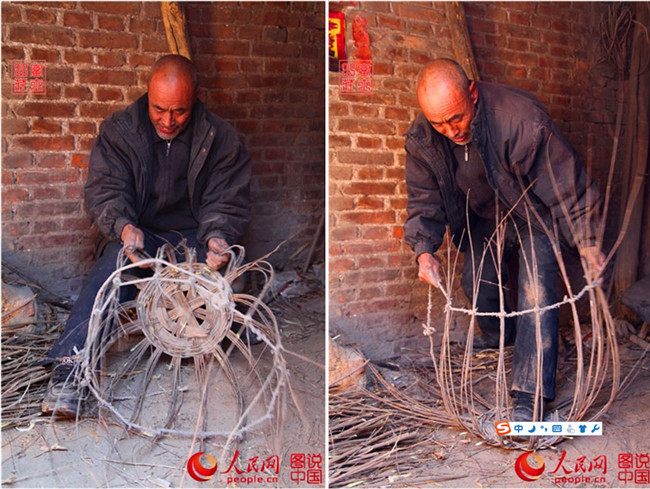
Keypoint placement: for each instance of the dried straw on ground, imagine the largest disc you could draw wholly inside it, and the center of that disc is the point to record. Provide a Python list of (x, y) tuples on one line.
[(24, 378)]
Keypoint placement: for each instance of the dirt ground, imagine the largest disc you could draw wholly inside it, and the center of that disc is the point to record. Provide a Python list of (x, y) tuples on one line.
[(625, 428), (100, 453), (450, 457)]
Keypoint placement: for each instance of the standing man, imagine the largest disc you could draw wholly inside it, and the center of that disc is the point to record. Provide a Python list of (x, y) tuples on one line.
[(472, 154), (161, 171)]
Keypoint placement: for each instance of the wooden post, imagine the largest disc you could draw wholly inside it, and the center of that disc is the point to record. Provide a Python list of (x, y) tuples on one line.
[(175, 28), (460, 38), (626, 267)]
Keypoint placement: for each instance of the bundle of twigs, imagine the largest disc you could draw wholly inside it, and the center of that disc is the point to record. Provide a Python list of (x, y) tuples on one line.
[(377, 434), (24, 378)]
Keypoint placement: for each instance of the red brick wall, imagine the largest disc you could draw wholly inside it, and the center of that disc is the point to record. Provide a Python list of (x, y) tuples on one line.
[(548, 48), (261, 68)]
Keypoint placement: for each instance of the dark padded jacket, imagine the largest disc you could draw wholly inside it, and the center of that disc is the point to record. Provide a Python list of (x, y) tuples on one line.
[(522, 149), (119, 174)]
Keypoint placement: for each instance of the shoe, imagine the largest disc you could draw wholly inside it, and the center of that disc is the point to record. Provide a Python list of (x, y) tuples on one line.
[(523, 408), (63, 397)]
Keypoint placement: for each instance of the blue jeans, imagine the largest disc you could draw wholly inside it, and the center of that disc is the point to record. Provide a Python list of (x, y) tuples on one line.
[(76, 327), (538, 287)]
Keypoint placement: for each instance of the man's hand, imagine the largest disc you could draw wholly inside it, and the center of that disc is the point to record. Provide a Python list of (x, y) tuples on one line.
[(216, 258), (429, 271), (133, 240), (595, 260)]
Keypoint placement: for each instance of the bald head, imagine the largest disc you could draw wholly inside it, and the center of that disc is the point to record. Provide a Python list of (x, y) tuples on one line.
[(443, 71), (175, 66), (447, 99), (172, 89)]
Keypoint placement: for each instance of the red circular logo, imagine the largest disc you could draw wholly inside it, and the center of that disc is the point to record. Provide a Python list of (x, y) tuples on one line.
[(529, 466), (198, 471)]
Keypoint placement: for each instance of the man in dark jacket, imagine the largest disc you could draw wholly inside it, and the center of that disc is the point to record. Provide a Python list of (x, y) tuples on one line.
[(161, 171), (479, 152)]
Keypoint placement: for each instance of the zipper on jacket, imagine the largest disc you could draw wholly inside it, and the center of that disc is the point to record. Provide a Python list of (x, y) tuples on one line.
[(466, 153), (169, 147)]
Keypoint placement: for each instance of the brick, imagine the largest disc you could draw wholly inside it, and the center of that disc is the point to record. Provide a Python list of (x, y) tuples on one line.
[(10, 14), (342, 296), (107, 77), (370, 173), (74, 192), (45, 126), (364, 111), (341, 264), (13, 52), (78, 92), (375, 233), (85, 143), (80, 161), (111, 59), (77, 19), (15, 195), (110, 22), (52, 161), (15, 228), (363, 217), (367, 143), (156, 44), (364, 158), (560, 26), (76, 224), (413, 11), (49, 36), (397, 114), (390, 22), (519, 18), (397, 173), (82, 128), (59, 74), (137, 60), (52, 109), (104, 94), (342, 233), (44, 177), (46, 241), (116, 8), (48, 193), (145, 25), (369, 203), (369, 188), (78, 57), (107, 40), (39, 16), (152, 10), (43, 227), (366, 127), (38, 143), (396, 143), (14, 126), (49, 55), (16, 160)]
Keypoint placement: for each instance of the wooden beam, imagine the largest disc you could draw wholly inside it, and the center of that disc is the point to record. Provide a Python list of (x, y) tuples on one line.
[(175, 28), (460, 41)]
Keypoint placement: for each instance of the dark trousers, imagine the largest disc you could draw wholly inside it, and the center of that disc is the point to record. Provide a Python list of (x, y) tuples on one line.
[(76, 327), (537, 284)]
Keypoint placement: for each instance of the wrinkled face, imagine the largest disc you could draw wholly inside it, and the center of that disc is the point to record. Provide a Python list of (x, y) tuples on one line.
[(171, 99), (450, 111)]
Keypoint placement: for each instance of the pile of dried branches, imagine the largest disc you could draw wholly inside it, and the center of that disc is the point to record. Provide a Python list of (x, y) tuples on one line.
[(24, 378), (379, 435)]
